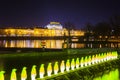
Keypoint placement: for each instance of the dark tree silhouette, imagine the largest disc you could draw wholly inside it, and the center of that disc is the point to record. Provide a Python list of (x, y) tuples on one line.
[(115, 23), (88, 27), (88, 31), (102, 28), (69, 26)]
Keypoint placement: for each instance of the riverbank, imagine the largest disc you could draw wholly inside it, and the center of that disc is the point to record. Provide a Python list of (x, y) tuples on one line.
[(86, 73), (28, 59), (32, 52)]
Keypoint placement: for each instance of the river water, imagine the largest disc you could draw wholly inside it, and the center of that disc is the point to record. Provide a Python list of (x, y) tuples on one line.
[(49, 44)]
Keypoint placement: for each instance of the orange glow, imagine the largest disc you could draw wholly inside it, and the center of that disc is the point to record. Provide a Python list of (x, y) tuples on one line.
[(41, 32)]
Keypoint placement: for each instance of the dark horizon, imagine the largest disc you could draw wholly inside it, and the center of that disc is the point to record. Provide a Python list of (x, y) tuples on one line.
[(41, 12)]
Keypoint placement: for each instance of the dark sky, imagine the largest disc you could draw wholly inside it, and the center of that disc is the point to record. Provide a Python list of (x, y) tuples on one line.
[(41, 12)]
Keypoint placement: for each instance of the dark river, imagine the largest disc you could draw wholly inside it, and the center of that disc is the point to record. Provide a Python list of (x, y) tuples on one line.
[(49, 44)]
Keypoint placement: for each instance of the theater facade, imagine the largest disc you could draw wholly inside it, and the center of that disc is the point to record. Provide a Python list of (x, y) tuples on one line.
[(52, 29)]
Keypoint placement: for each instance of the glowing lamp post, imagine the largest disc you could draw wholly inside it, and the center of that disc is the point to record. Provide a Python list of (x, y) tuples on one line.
[(72, 64), (89, 60), (42, 71), (86, 60), (93, 59), (82, 61), (13, 74), (96, 58), (99, 56), (2, 75), (116, 54), (24, 74), (68, 65), (77, 63), (33, 72), (103, 57), (49, 69), (62, 66), (56, 68)]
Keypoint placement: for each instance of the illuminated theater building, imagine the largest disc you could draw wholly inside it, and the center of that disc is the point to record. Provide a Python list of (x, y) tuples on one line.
[(52, 29)]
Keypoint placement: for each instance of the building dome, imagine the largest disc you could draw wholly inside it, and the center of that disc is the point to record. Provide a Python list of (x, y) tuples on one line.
[(54, 25)]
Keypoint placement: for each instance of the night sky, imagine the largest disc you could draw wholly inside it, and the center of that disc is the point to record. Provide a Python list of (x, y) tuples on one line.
[(41, 12)]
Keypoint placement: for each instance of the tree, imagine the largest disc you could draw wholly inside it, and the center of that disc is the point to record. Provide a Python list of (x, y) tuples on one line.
[(88, 31), (69, 26), (88, 27), (102, 28), (115, 23)]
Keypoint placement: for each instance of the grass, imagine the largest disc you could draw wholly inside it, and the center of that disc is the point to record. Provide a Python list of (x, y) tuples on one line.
[(53, 53)]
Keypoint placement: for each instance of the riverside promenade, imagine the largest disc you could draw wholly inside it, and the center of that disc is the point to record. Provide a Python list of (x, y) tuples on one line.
[(53, 52), (70, 58)]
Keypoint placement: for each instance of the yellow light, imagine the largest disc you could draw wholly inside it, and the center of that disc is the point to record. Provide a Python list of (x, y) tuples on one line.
[(33, 72), (82, 61), (89, 60), (56, 68), (93, 59), (86, 60), (13, 75), (77, 63), (2, 75), (49, 69), (24, 74), (62, 66), (42, 71), (68, 65), (54, 23), (96, 58), (72, 64)]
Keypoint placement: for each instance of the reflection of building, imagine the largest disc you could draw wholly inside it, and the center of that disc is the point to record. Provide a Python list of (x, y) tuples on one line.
[(53, 29)]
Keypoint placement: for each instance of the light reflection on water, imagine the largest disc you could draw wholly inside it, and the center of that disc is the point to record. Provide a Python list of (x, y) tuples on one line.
[(111, 75), (37, 44), (50, 44)]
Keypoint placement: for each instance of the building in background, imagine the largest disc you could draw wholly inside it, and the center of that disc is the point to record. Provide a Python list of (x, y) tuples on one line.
[(52, 29)]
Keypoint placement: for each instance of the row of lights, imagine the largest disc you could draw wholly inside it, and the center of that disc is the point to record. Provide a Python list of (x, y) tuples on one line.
[(39, 32), (64, 66)]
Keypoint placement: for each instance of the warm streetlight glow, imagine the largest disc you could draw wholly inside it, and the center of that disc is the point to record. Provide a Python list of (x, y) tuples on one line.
[(41, 32)]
